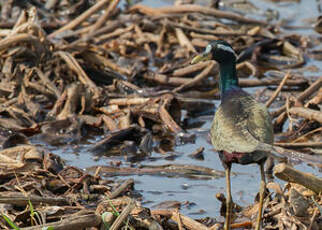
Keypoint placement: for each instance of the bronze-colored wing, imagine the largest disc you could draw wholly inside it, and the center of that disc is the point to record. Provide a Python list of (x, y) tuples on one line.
[(241, 124)]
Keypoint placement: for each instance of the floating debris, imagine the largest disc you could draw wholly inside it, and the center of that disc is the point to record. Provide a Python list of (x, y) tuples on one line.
[(75, 69)]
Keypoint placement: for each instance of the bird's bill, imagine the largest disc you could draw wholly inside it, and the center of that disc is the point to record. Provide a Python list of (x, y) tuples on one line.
[(201, 57)]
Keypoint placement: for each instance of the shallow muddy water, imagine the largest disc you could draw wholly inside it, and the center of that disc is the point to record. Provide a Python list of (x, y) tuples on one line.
[(199, 192)]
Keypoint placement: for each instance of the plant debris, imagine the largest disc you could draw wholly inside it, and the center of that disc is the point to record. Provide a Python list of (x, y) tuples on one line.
[(75, 69)]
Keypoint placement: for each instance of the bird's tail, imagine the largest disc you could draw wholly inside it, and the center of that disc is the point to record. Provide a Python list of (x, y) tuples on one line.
[(280, 153)]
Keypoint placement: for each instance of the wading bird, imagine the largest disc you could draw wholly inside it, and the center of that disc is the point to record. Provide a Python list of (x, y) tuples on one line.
[(242, 129)]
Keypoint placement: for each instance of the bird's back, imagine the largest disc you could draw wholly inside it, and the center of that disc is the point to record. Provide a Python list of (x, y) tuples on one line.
[(240, 124)]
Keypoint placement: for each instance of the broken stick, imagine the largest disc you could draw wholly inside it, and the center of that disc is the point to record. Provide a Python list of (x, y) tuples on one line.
[(287, 173)]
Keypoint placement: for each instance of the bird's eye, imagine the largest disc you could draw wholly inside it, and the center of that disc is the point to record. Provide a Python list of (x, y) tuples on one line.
[(208, 48)]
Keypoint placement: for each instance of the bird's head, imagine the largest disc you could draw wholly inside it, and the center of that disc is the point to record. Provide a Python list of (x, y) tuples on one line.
[(220, 51)]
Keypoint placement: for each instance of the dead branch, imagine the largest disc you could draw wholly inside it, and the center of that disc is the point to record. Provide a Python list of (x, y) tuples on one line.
[(20, 200), (105, 16), (302, 96), (72, 222), (125, 213), (300, 144), (121, 188), (196, 79), (77, 21), (13, 39), (289, 174), (278, 90), (83, 78), (194, 9), (186, 221), (309, 114)]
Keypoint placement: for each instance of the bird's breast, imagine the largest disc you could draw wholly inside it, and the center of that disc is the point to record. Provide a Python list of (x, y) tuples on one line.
[(241, 158), (233, 157)]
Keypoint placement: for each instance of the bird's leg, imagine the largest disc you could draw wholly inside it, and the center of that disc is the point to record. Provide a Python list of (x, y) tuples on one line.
[(269, 169), (261, 197), (228, 199)]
